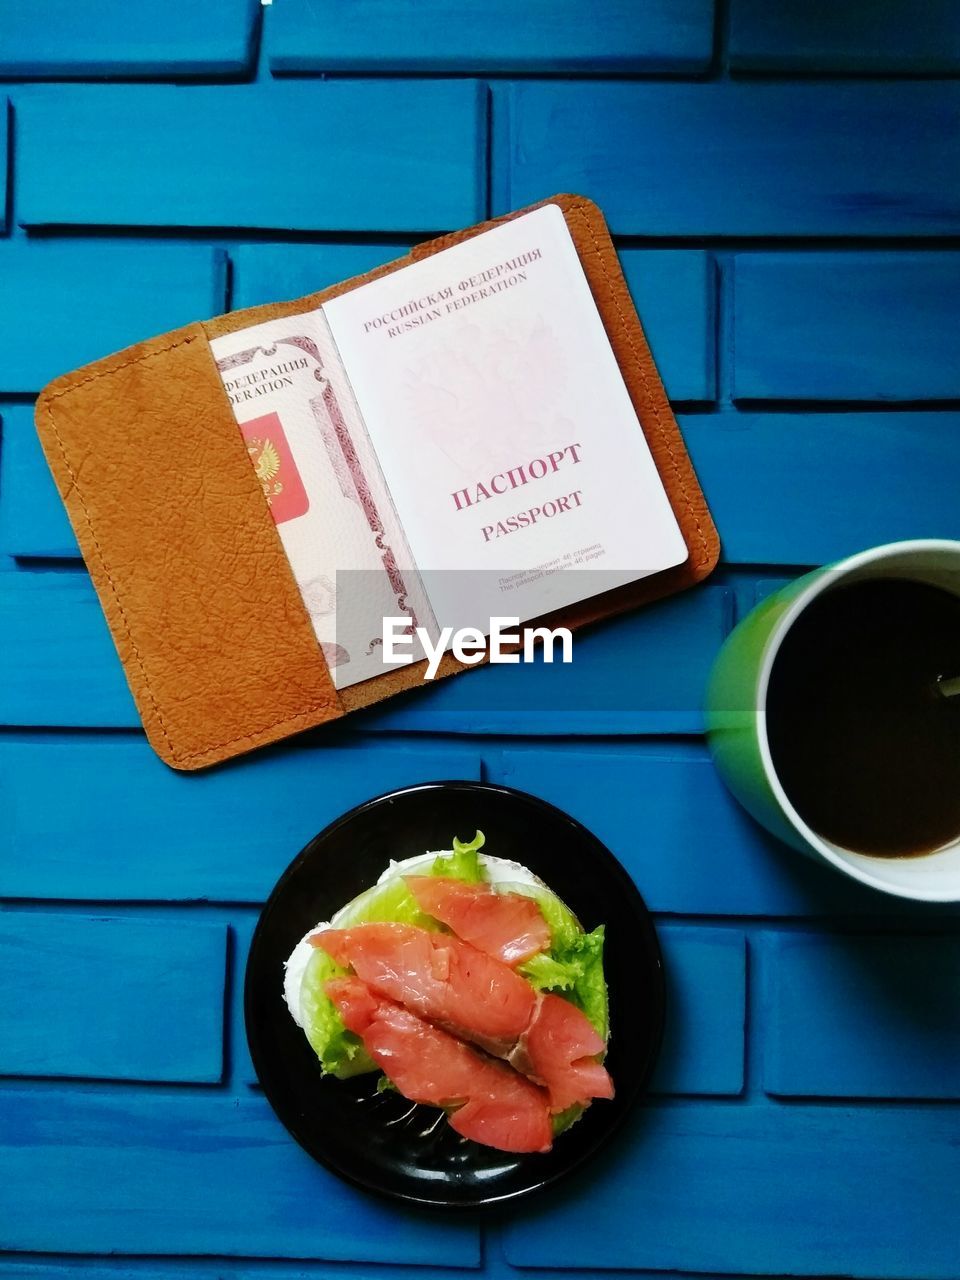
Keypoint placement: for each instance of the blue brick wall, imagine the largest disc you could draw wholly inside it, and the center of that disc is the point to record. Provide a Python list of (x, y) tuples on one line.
[(784, 184)]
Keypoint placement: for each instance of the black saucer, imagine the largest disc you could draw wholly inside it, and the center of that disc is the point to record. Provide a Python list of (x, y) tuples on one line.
[(381, 1141)]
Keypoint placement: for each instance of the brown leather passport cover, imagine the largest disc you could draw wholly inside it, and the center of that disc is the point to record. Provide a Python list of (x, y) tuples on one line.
[(216, 643)]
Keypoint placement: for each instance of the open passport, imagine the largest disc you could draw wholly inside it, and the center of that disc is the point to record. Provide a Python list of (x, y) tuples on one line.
[(450, 443)]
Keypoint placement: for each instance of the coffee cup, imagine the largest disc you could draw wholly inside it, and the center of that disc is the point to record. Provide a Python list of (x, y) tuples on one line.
[(833, 715)]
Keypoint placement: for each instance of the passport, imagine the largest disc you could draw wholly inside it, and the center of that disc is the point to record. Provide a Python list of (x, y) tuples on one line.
[(459, 432)]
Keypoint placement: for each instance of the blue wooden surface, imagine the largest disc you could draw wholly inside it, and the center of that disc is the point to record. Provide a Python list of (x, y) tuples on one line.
[(675, 292), (65, 304), (286, 154), (704, 1039), (821, 35), (806, 488), (115, 988), (57, 638), (255, 809), (496, 36), (133, 1172), (784, 182), (117, 38), (846, 326), (761, 1190), (862, 1017), (267, 272), (33, 520), (732, 159), (4, 166)]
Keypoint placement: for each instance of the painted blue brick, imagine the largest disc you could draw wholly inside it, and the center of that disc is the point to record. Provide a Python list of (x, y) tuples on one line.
[(116, 38), (315, 155), (739, 159), (643, 672), (153, 1173), (819, 35), (498, 1268), (4, 163), (807, 488), (63, 1268), (56, 639), (33, 520), (224, 836), (277, 272), (207, 1269), (242, 1071), (757, 1189), (674, 292), (444, 35), (703, 1043), (846, 326), (68, 302), (863, 1017), (663, 811), (111, 998)]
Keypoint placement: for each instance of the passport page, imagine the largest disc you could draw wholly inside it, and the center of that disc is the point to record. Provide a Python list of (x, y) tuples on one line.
[(320, 477), (505, 434)]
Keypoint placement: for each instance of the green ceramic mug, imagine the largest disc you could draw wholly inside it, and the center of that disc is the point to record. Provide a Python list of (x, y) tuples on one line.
[(737, 719)]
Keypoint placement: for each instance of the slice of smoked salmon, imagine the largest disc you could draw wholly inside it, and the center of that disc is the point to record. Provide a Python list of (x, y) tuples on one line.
[(506, 925), (475, 996), (438, 977), (493, 1104), (356, 1003), (560, 1050)]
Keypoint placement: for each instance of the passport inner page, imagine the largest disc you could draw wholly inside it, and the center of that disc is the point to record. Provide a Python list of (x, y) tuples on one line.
[(321, 479), (512, 452)]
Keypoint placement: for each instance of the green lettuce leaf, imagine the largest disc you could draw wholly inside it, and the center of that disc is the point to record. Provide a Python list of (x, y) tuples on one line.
[(390, 901), (565, 1119), (574, 970), (463, 863), (341, 1053), (590, 988)]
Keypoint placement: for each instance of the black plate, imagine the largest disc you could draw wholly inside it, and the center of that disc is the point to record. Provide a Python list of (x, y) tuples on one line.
[(380, 1141)]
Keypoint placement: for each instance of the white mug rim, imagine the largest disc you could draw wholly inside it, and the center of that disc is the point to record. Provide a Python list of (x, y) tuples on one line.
[(824, 579)]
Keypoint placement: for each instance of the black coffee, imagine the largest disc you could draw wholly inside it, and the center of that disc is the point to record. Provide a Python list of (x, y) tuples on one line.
[(863, 739)]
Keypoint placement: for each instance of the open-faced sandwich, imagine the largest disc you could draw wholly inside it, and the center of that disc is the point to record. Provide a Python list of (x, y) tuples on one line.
[(467, 982)]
